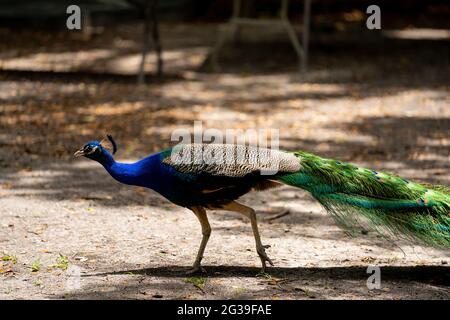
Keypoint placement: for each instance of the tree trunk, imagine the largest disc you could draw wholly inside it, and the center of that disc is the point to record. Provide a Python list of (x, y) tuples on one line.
[(145, 42), (155, 36)]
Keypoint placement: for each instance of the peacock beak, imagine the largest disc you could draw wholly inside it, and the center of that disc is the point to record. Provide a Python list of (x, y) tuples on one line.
[(79, 153)]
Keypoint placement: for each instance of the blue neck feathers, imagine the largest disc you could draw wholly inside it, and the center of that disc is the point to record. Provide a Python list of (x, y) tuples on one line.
[(138, 173)]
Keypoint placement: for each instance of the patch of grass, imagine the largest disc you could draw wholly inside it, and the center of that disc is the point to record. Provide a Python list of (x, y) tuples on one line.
[(307, 292), (10, 258), (198, 282), (36, 265), (62, 262), (37, 283), (264, 275), (240, 291)]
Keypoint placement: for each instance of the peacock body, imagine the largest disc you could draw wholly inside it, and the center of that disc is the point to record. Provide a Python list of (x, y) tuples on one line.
[(354, 196)]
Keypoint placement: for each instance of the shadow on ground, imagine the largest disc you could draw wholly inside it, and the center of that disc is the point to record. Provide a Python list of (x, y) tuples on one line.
[(293, 283), (439, 275)]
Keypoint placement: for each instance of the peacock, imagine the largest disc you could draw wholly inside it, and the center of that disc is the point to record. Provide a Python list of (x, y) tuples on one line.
[(354, 196)]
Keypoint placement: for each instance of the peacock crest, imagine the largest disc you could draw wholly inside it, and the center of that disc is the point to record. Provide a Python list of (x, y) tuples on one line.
[(109, 144)]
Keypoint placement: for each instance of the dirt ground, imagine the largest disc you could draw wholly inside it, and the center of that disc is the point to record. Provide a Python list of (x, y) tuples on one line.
[(375, 101)]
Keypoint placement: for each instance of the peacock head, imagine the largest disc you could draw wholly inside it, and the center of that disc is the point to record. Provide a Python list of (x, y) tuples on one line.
[(98, 151)]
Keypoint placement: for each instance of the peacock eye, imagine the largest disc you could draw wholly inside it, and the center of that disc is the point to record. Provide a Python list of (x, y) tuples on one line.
[(88, 150)]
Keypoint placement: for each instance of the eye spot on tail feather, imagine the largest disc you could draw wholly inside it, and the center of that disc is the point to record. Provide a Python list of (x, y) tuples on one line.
[(423, 201)]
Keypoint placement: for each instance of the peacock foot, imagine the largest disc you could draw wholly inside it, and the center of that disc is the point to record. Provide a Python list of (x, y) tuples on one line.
[(196, 268), (263, 256)]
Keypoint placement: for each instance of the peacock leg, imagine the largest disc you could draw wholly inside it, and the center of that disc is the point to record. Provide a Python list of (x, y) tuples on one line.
[(251, 214), (200, 213)]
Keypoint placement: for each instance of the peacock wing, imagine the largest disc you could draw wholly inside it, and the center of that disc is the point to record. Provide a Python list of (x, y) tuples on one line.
[(230, 160)]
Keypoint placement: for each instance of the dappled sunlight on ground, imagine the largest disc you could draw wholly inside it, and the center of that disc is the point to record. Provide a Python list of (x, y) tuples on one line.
[(419, 34)]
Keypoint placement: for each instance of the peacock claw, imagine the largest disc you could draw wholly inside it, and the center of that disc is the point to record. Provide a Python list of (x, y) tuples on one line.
[(263, 256), (196, 269)]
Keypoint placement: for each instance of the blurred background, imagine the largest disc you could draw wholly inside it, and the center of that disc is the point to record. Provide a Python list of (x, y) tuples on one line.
[(379, 98), (379, 91)]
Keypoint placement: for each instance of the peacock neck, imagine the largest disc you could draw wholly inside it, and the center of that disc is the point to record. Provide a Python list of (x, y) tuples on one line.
[(139, 173), (106, 159), (119, 171)]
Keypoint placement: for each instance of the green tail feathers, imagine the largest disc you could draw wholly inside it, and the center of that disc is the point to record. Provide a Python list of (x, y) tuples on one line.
[(389, 203)]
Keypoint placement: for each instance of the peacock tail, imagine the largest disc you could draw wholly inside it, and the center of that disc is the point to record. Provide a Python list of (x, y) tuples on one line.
[(390, 205)]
